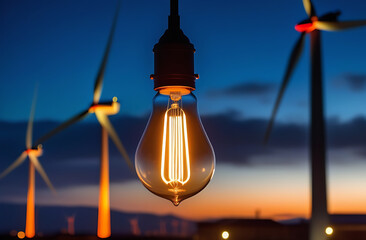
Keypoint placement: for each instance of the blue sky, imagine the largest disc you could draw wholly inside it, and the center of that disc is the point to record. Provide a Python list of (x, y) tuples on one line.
[(240, 45), (60, 45)]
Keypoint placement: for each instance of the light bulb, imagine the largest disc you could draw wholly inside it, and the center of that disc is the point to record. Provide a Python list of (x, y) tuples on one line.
[(175, 159)]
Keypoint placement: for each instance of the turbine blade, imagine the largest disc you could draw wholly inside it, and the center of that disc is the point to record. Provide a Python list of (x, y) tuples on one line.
[(61, 127), (104, 121), (99, 80), (41, 171), (29, 135), (15, 164), (294, 58), (338, 26), (309, 8)]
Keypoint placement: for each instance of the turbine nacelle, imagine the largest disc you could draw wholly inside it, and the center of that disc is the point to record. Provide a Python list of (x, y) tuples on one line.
[(310, 24), (37, 152), (108, 108), (306, 25)]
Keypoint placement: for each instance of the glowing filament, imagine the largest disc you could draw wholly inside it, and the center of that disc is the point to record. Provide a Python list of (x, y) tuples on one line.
[(175, 166)]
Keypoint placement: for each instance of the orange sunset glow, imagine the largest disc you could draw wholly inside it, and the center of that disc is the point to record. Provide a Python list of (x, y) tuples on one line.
[(275, 196)]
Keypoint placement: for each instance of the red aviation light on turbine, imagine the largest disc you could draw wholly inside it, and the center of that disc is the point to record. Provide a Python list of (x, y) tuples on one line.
[(307, 25)]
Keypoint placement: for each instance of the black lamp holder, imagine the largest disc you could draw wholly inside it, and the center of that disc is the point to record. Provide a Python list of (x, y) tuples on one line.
[(174, 56)]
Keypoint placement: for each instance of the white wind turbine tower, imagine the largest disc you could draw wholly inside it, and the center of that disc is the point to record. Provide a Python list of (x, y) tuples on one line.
[(101, 110), (32, 153)]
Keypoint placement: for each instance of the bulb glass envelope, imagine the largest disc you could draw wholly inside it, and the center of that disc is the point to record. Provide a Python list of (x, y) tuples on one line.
[(175, 159)]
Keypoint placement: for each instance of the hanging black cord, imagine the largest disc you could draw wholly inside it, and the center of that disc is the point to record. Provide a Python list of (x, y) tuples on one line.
[(174, 21), (174, 8)]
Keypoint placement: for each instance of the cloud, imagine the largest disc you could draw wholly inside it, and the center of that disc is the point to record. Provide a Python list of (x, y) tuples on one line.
[(248, 89), (72, 157), (355, 82), (347, 134)]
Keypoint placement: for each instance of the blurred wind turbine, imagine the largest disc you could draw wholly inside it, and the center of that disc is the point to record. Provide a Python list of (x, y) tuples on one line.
[(71, 225), (101, 111), (313, 25), (32, 153)]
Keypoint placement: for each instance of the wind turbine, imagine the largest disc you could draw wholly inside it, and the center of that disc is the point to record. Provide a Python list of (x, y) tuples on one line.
[(101, 111), (71, 225), (32, 153), (312, 25)]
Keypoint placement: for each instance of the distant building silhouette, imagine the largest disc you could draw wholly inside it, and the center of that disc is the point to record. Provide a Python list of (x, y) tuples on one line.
[(163, 231), (135, 229), (70, 225), (184, 228), (257, 214), (175, 226)]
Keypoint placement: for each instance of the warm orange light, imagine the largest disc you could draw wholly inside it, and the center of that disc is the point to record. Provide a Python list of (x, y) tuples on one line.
[(174, 158), (169, 89), (175, 166), (21, 235), (30, 229), (35, 152), (104, 218), (225, 235), (108, 109), (329, 231)]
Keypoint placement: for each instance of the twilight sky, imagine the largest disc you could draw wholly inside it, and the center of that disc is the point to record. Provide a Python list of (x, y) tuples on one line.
[(242, 50)]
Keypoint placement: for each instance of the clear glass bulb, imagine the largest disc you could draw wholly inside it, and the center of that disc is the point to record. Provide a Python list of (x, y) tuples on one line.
[(175, 159)]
